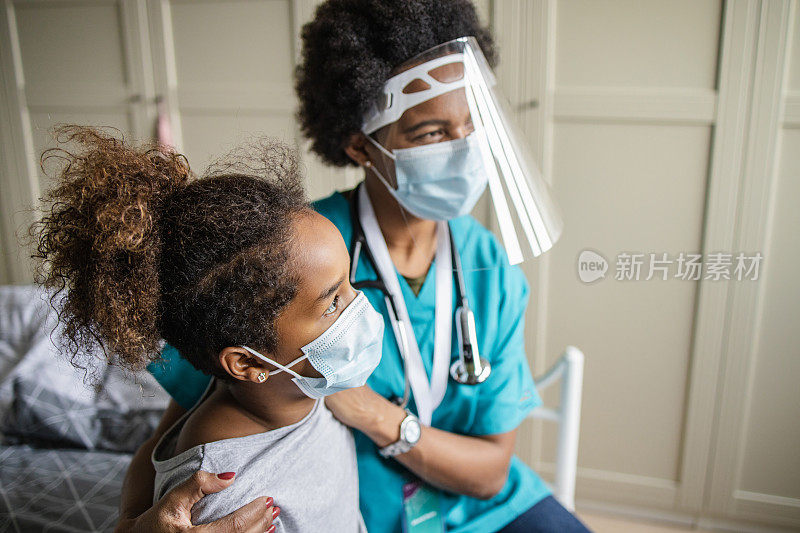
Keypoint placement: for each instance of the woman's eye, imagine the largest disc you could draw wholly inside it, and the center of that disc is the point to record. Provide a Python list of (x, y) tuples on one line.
[(430, 136), (333, 307)]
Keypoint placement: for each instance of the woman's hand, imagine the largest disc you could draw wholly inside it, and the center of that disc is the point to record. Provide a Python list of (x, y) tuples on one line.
[(173, 512), (369, 412), (439, 457)]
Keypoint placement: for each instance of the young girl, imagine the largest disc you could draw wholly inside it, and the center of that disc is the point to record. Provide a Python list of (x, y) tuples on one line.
[(249, 284)]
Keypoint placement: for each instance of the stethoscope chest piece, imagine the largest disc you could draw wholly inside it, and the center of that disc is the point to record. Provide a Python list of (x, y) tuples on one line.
[(470, 368), (461, 372)]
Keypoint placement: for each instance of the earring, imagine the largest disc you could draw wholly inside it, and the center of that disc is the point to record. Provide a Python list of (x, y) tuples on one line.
[(262, 376), (368, 164)]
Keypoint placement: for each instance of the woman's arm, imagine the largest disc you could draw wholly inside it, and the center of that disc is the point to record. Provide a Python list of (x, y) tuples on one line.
[(474, 466), (172, 513)]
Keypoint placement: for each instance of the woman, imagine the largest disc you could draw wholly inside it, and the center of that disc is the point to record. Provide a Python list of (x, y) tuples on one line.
[(455, 467)]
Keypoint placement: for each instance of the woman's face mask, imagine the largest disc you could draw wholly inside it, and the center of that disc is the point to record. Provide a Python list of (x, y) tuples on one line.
[(345, 354), (438, 181)]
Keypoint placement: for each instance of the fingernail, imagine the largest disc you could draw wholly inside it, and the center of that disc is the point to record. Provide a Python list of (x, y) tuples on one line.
[(269, 501), (271, 529), (275, 512), (226, 475)]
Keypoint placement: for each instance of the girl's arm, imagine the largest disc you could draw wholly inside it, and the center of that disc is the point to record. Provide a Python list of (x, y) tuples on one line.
[(474, 466), (137, 488), (173, 512)]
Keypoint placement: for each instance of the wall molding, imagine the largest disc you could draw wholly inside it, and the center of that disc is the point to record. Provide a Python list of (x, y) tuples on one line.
[(18, 157), (791, 111), (737, 46), (755, 506), (754, 221), (673, 518), (619, 488), (165, 72), (640, 105), (250, 97)]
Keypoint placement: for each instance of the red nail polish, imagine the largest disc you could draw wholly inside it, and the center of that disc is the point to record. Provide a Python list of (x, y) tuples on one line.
[(275, 512), (271, 529), (226, 475), (269, 501)]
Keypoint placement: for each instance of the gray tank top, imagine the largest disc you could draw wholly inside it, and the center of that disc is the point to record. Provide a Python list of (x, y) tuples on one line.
[(309, 468)]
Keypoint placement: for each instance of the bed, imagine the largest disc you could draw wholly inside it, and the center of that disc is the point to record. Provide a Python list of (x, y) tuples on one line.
[(65, 438)]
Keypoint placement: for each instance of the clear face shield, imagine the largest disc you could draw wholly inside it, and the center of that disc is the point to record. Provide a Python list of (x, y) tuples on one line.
[(446, 135)]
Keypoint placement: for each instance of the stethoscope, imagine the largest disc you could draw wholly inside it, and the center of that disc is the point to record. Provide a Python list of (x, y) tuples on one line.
[(470, 368)]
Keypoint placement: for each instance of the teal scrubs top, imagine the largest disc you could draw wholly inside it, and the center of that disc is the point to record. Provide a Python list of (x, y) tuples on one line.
[(498, 295)]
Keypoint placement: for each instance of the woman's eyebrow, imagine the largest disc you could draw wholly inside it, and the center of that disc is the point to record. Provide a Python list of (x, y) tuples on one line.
[(330, 290), (432, 122)]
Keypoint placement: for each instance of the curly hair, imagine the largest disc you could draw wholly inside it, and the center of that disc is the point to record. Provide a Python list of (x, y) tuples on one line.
[(138, 250), (349, 50)]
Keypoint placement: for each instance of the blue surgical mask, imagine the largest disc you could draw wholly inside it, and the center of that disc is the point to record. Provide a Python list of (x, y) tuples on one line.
[(437, 181), (345, 354)]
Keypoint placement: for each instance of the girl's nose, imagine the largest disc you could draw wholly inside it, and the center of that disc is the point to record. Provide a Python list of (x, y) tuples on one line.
[(349, 293)]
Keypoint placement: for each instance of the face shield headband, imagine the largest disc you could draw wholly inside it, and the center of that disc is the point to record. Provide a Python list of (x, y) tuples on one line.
[(519, 195)]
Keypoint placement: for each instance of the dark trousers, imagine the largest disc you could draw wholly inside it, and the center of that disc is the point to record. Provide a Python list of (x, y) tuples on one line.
[(547, 516)]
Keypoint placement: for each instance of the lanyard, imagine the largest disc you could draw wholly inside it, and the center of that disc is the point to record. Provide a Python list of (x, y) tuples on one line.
[(427, 394)]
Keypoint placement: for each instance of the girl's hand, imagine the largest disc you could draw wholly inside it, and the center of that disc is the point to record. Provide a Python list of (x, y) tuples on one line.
[(365, 410), (173, 512)]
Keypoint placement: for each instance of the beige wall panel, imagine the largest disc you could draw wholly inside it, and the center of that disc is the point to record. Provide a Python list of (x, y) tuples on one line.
[(6, 249), (242, 42), (70, 43), (234, 70), (771, 462), (793, 82), (42, 122), (635, 189), (635, 43), (210, 135)]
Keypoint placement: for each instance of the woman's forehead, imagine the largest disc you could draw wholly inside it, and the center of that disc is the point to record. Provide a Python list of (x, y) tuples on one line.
[(448, 107)]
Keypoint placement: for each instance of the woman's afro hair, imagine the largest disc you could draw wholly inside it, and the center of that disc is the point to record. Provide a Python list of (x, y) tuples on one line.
[(350, 49)]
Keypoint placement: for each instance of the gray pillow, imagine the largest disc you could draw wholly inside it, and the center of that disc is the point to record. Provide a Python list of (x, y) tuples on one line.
[(44, 399), (44, 417)]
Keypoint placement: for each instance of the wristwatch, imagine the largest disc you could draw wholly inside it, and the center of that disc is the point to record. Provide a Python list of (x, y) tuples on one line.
[(410, 431)]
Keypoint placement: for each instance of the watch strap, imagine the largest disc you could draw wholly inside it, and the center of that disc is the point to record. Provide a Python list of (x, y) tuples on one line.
[(401, 445)]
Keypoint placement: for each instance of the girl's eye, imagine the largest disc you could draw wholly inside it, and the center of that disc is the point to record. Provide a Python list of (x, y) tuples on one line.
[(333, 307)]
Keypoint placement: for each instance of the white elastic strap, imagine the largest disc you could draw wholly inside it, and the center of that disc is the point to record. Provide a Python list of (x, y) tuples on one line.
[(381, 177), (281, 368), (399, 101), (379, 146)]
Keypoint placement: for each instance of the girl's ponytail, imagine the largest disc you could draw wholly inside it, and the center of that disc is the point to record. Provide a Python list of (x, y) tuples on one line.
[(99, 246)]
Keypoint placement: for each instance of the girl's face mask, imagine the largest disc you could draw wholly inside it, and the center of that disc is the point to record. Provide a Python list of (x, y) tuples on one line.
[(345, 354)]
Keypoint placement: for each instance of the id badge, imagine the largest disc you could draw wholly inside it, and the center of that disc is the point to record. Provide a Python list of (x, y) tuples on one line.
[(422, 509)]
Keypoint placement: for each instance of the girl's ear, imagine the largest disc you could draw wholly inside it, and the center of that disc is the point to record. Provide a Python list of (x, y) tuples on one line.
[(240, 364)]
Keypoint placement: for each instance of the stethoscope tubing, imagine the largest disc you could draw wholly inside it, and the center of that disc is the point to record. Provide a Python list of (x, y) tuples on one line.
[(358, 246)]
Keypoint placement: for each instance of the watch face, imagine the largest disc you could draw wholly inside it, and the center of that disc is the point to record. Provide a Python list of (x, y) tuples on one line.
[(411, 431)]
